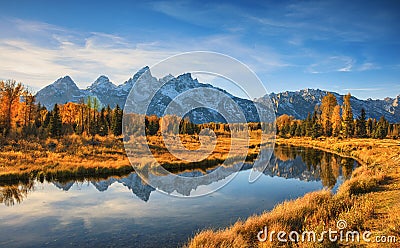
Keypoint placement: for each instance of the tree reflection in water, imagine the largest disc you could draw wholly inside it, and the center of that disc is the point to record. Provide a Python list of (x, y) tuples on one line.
[(300, 163), (323, 165), (11, 194)]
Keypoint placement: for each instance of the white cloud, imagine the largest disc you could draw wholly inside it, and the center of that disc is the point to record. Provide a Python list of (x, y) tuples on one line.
[(368, 66), (332, 64), (39, 53), (39, 59)]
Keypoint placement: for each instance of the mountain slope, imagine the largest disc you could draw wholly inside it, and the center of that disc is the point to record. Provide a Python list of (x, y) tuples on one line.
[(297, 103), (300, 103), (65, 90), (61, 91)]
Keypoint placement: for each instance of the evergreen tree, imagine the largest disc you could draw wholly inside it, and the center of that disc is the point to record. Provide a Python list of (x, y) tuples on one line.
[(308, 125), (152, 124), (102, 126), (95, 121), (293, 128), (55, 124), (298, 132), (117, 121), (381, 129), (369, 128), (316, 130), (108, 118), (361, 125)]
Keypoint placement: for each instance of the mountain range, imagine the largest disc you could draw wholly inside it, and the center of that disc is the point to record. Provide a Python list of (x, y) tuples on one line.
[(294, 103), (279, 166)]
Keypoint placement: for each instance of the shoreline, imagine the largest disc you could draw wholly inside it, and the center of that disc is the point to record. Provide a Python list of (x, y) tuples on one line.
[(369, 200)]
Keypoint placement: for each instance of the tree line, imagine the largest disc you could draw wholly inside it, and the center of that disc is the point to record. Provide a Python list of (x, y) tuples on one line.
[(22, 116), (329, 119)]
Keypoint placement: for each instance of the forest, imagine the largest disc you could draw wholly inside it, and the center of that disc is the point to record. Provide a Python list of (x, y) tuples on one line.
[(22, 117), (332, 120)]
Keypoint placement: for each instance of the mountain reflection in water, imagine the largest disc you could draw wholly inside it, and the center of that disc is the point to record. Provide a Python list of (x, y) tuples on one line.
[(288, 162)]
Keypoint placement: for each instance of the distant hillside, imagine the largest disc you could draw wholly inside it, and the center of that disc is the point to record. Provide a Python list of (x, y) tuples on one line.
[(297, 104), (300, 103)]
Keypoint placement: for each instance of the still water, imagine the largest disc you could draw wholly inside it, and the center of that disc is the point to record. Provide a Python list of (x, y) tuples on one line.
[(124, 211)]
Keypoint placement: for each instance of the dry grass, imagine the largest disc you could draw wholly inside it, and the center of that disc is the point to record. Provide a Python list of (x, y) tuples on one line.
[(315, 211), (68, 154), (368, 201), (75, 155)]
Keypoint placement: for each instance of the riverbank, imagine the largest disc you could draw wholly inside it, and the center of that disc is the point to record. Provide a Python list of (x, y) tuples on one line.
[(77, 155), (65, 157), (369, 201)]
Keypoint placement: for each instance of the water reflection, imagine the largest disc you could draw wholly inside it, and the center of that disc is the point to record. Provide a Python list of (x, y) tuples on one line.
[(11, 194), (303, 164), (309, 164)]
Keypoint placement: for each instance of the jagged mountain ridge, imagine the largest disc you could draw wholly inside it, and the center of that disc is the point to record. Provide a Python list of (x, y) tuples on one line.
[(109, 94), (300, 103), (295, 103), (65, 90), (196, 94), (293, 168)]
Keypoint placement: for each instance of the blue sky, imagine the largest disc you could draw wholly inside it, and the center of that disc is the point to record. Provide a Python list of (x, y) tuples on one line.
[(332, 45)]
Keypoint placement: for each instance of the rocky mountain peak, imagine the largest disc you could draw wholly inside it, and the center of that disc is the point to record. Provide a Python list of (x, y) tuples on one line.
[(102, 83), (139, 73), (295, 103), (65, 82), (101, 80)]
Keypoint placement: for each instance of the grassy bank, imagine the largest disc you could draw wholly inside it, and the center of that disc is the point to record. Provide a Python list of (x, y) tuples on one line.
[(65, 157), (370, 200), (76, 156)]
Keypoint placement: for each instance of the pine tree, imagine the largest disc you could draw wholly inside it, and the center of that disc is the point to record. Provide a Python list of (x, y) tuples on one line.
[(152, 125), (298, 132), (390, 131), (117, 121), (381, 129), (369, 129), (348, 124), (361, 125), (55, 124), (108, 118), (293, 128), (102, 126), (316, 128), (95, 121), (308, 125)]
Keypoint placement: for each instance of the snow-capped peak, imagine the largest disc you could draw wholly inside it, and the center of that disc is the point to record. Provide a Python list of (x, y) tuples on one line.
[(64, 81), (166, 79), (297, 103), (139, 73), (101, 80), (102, 83)]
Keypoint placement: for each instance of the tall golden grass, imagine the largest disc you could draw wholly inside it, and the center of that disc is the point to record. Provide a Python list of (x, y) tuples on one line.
[(71, 153), (358, 201)]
